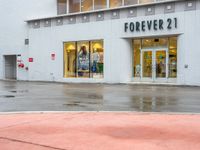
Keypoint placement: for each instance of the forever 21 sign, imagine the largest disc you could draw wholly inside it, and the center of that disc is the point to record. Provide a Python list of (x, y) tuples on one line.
[(157, 24)]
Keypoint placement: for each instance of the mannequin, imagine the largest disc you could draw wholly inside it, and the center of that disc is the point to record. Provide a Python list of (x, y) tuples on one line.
[(83, 60), (95, 60)]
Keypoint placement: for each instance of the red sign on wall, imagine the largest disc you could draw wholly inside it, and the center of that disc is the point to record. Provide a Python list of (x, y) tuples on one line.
[(53, 56), (30, 60)]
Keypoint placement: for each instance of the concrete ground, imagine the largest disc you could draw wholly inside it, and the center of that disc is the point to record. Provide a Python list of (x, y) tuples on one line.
[(36, 96), (99, 131)]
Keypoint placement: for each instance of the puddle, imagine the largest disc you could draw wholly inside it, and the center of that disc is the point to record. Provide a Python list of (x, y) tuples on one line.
[(78, 103), (86, 95), (9, 86), (91, 103), (95, 96), (20, 91), (7, 96), (73, 105)]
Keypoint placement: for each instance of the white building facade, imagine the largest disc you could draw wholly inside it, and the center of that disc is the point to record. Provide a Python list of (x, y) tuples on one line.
[(92, 41)]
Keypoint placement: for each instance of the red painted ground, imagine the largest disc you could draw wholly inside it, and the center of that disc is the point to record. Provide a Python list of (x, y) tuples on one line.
[(99, 131)]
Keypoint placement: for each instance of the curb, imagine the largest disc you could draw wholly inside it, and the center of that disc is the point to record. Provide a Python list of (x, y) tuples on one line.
[(117, 112)]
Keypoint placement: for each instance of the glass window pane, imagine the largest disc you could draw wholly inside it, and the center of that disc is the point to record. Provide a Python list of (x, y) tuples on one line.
[(146, 1), (161, 42), (100, 4), (69, 59), (86, 5), (115, 3), (62, 6), (136, 58), (147, 64), (147, 43), (74, 6), (161, 64), (173, 57), (97, 59), (130, 2), (83, 59), (151, 43)]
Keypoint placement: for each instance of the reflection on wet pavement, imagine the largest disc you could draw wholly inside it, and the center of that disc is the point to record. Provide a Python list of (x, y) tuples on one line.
[(35, 96), (7, 96)]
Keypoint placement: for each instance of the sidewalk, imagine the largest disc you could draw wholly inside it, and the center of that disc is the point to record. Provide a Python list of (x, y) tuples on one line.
[(99, 131)]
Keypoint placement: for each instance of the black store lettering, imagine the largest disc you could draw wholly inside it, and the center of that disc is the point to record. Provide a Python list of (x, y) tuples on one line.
[(143, 25), (155, 24), (169, 26), (161, 22), (132, 27), (175, 19), (137, 26), (149, 24), (125, 27)]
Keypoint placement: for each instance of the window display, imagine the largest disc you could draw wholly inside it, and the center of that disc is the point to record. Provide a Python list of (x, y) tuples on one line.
[(173, 57), (84, 59), (97, 59), (70, 59)]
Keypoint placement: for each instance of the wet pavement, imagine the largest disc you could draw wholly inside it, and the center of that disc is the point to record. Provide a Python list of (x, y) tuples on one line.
[(40, 96)]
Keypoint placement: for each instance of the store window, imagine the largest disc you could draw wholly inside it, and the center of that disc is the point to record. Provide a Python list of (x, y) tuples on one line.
[(157, 42), (74, 6), (70, 59), (136, 58), (84, 59), (173, 57), (115, 3), (146, 1), (86, 5), (62, 6), (100, 4), (130, 2), (97, 59), (133, 2)]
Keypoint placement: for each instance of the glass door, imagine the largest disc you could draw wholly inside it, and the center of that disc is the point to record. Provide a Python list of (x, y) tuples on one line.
[(154, 65), (161, 68)]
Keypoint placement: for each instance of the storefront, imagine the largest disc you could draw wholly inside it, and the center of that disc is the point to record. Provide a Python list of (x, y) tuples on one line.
[(155, 59), (143, 44), (114, 41)]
